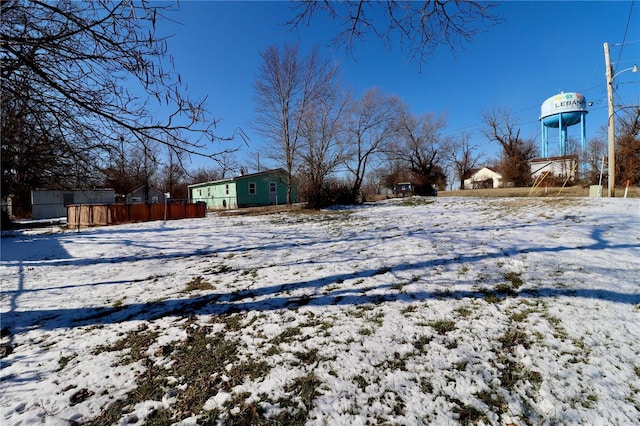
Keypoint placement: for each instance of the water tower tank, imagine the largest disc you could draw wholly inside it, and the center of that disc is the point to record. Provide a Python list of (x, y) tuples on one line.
[(561, 111), (568, 107)]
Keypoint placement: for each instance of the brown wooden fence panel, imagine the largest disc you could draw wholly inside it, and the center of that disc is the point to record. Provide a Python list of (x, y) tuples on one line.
[(192, 210), (156, 211), (139, 213), (111, 214), (71, 215), (85, 216), (200, 210), (118, 213), (176, 211), (99, 214)]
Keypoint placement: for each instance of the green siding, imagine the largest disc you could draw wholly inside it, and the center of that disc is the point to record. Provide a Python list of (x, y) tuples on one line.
[(262, 196), (215, 195)]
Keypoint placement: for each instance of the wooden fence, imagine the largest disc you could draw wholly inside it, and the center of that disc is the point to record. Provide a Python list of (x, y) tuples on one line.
[(111, 214)]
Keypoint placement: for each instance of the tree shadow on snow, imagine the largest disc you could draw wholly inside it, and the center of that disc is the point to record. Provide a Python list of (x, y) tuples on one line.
[(319, 291)]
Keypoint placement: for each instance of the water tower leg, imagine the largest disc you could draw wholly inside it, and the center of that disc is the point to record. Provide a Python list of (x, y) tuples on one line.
[(562, 135), (583, 132), (583, 143), (545, 140)]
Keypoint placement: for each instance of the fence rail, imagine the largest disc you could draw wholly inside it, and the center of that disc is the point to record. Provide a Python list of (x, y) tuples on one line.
[(79, 215)]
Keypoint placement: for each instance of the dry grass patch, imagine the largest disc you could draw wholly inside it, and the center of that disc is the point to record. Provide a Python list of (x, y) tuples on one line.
[(198, 283), (569, 191)]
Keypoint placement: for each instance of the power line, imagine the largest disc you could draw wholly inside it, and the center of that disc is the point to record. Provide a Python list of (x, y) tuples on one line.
[(626, 30), (625, 43)]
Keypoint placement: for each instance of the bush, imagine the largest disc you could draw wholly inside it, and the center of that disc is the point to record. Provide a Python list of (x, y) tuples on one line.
[(5, 220), (330, 194), (426, 190)]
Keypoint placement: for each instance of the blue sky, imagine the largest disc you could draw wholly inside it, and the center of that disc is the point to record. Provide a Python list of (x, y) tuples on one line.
[(540, 49)]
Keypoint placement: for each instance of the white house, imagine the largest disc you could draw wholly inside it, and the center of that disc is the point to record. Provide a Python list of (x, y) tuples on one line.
[(556, 166), (483, 178)]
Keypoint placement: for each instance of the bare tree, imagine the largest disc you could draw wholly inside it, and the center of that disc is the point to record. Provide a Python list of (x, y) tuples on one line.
[(255, 162), (119, 173), (419, 28), (321, 150), (394, 170), (573, 146), (173, 176), (463, 157), (376, 183), (228, 164), (224, 164), (369, 126), (628, 147), (203, 174), (145, 164), (69, 74), (501, 127), (594, 159), (419, 146), (286, 87)]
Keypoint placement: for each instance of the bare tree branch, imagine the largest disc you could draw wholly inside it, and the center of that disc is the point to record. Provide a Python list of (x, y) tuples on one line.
[(369, 128), (501, 127), (83, 76), (287, 86), (420, 146), (463, 157), (418, 28)]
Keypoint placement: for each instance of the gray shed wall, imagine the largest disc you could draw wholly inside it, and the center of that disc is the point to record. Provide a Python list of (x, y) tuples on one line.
[(49, 204)]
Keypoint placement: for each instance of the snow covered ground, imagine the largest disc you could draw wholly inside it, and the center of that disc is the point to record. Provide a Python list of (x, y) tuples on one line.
[(413, 311)]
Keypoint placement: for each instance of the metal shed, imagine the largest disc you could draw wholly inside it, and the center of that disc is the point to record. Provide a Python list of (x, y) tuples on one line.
[(51, 203)]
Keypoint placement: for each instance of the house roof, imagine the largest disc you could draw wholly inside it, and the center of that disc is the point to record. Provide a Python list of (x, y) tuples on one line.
[(548, 159), (472, 172), (141, 187), (236, 178)]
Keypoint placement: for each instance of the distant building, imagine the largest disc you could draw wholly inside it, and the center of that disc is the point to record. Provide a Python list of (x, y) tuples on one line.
[(485, 177), (565, 166), (52, 203), (7, 205), (152, 196), (258, 189)]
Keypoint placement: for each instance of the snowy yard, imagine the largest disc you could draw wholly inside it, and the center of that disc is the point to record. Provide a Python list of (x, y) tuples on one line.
[(414, 311)]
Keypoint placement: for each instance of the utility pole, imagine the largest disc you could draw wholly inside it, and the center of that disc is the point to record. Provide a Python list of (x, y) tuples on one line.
[(610, 125)]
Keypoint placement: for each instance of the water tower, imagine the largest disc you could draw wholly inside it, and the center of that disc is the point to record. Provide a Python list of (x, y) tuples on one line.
[(562, 111)]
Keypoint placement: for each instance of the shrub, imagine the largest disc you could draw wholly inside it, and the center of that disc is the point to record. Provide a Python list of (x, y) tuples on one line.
[(5, 220)]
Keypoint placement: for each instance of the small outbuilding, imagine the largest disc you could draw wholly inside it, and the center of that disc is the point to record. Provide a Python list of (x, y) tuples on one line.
[(251, 190), (52, 203), (485, 177), (564, 166), (142, 195)]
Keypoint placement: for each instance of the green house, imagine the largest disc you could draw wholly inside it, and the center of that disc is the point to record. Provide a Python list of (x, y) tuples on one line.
[(258, 189)]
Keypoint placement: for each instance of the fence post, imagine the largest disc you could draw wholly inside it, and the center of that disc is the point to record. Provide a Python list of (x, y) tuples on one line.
[(626, 188)]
